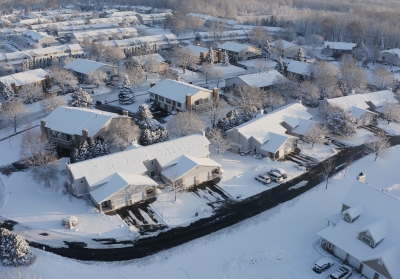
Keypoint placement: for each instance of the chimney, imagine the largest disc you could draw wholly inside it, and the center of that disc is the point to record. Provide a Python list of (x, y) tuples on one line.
[(152, 84), (84, 105), (43, 127), (202, 132), (261, 111), (215, 94), (219, 55), (85, 134), (188, 101), (14, 87), (202, 57), (361, 177), (125, 112), (48, 81), (300, 102)]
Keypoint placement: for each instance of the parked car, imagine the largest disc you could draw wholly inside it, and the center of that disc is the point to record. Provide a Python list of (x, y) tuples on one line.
[(275, 176), (263, 178), (322, 265), (281, 172), (343, 272)]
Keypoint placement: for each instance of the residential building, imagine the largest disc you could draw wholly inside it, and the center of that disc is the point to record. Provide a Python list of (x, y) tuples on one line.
[(271, 30), (286, 49), (177, 95), (67, 31), (129, 173), (68, 127), (153, 19), (124, 32), (263, 80), (390, 56), (38, 38), (362, 106), (154, 43), (365, 232), (298, 69), (238, 51), (37, 77), (83, 67), (155, 61), (339, 48), (240, 36), (267, 134), (210, 20)]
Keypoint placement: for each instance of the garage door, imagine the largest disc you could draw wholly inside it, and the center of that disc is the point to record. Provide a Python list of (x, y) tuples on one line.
[(340, 253), (354, 262), (368, 272), (136, 198)]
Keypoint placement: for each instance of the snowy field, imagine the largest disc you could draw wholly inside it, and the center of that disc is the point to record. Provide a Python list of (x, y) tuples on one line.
[(359, 138), (238, 179), (392, 128), (319, 151), (41, 207), (280, 243)]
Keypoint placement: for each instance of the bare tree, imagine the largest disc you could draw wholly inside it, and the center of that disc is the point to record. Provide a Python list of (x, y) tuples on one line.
[(259, 36), (215, 110), (314, 40), (216, 30), (66, 60), (36, 149), (97, 78), (352, 76), (207, 71), (260, 66), (135, 74), (184, 58), (278, 48), (97, 50), (251, 99), (316, 134), (30, 93), (328, 168), (391, 112), (114, 54), (45, 173), (51, 102), (174, 182), (308, 92), (13, 113), (185, 123), (63, 78), (285, 86), (6, 70), (383, 79), (379, 144), (121, 133), (273, 99), (87, 43), (325, 76), (220, 143)]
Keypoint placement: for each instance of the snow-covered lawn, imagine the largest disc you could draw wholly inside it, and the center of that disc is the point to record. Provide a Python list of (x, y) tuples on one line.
[(238, 179), (230, 70), (251, 63), (359, 138), (392, 128), (181, 212), (41, 207), (318, 152), (279, 243)]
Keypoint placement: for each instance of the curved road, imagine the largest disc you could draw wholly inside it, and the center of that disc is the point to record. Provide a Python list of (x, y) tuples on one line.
[(227, 215)]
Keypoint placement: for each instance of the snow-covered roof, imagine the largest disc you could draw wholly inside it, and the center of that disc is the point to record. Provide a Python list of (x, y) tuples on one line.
[(197, 49), (262, 79), (176, 90), (84, 66), (24, 78), (118, 182), (186, 163), (249, 27), (131, 162), (36, 36), (264, 124), (298, 67), (302, 125), (274, 142), (380, 217), (360, 100), (72, 120), (395, 51), (339, 45), (354, 211), (234, 47), (157, 57), (358, 112), (123, 13), (285, 44)]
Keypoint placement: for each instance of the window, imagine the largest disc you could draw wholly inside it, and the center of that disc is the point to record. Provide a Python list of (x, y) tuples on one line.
[(108, 72), (380, 262), (161, 98), (329, 245), (178, 104), (366, 240), (168, 101), (205, 100), (152, 95), (196, 102)]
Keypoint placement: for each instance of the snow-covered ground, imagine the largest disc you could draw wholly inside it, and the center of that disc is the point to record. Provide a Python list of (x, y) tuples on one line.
[(238, 179), (392, 128), (359, 138), (319, 151), (279, 243)]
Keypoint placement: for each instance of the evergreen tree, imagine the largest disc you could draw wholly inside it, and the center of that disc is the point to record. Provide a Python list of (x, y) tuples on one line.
[(210, 56), (360, 51), (79, 98), (8, 93), (300, 55), (145, 117), (273, 21), (14, 250), (279, 66), (341, 123), (89, 151), (225, 59), (126, 96), (266, 51), (382, 44)]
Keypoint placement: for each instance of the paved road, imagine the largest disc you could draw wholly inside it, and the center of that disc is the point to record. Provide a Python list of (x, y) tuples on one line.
[(226, 215)]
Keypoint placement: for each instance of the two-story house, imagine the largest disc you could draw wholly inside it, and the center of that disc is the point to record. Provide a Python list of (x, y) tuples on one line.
[(84, 67), (365, 233), (238, 51)]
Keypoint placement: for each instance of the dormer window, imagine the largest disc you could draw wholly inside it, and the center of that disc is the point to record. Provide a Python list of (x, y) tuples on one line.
[(366, 240)]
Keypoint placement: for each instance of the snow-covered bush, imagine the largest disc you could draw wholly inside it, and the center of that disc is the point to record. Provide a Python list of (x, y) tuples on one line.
[(80, 98), (86, 151), (232, 119), (150, 133), (341, 123), (14, 250)]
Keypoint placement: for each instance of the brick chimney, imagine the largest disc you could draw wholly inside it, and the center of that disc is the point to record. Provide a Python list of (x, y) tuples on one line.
[(152, 84), (188, 101), (14, 87), (125, 112), (85, 135), (361, 177), (202, 56), (43, 127), (48, 81), (215, 94), (219, 55)]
